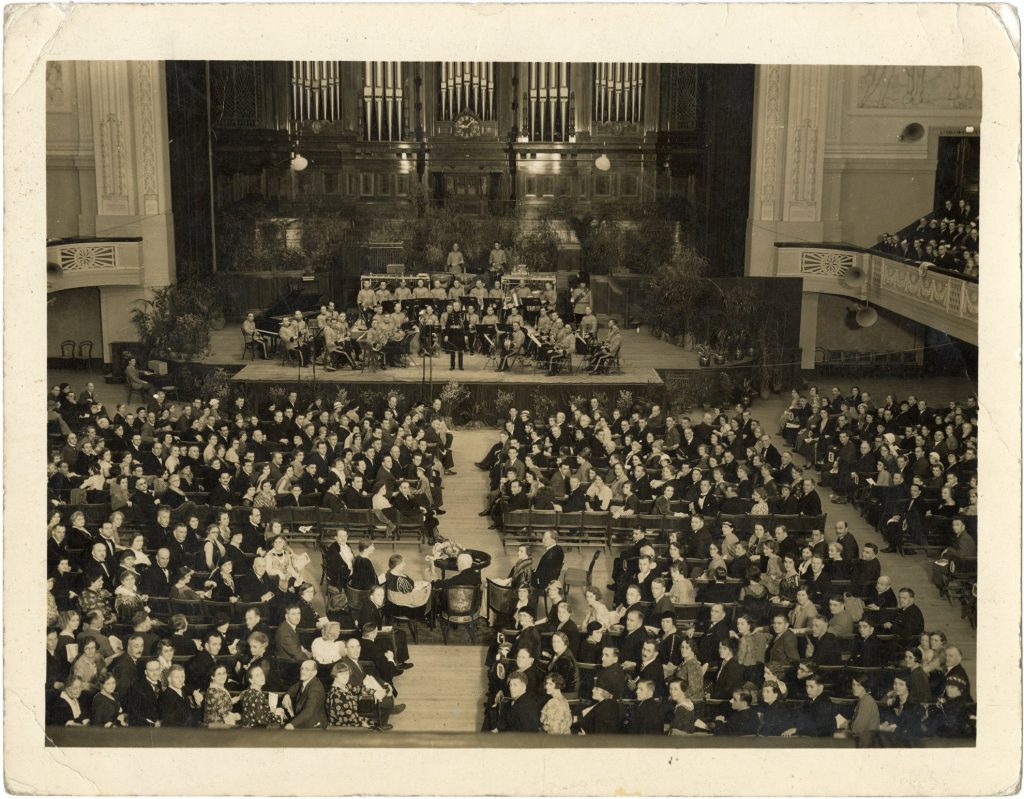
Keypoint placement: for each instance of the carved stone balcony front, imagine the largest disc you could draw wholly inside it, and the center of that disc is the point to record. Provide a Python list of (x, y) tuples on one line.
[(80, 263), (940, 300)]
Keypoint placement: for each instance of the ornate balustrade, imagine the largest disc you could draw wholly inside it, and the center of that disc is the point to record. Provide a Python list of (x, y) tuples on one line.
[(938, 299), (79, 263)]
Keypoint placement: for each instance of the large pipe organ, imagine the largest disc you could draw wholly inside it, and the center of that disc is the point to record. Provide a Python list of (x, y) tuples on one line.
[(485, 136)]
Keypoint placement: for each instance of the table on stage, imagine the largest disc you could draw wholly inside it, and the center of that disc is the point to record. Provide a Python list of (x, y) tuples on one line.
[(481, 560)]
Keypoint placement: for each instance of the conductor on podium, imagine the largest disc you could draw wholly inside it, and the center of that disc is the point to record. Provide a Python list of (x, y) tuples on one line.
[(455, 333)]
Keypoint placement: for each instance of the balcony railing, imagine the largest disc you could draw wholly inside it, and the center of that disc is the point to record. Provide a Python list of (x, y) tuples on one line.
[(938, 299), (79, 263)]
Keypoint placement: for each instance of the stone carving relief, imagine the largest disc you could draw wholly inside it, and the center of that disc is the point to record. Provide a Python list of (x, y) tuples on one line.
[(940, 88), (771, 142), (112, 156), (151, 204)]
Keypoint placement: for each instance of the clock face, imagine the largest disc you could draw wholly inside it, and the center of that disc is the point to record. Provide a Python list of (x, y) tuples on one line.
[(466, 125)]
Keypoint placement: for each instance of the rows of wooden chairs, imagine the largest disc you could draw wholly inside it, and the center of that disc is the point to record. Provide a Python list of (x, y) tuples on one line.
[(602, 529)]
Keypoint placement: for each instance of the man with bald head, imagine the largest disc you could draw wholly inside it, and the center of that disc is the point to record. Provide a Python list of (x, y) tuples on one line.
[(257, 585), (156, 580), (466, 575)]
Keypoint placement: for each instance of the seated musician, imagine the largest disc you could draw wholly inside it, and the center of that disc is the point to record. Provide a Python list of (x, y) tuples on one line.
[(366, 298), (289, 335), (608, 351), (398, 317), (566, 342), (323, 317), (428, 325), (479, 293), (421, 292), (514, 345), (438, 292), (403, 293), (496, 293), (472, 320), (457, 291), (489, 317), (330, 332), (393, 347), (383, 293), (549, 296), (544, 323), (514, 316), (252, 335)]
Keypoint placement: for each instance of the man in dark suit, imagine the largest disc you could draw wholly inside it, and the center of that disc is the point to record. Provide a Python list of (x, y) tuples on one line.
[(522, 714), (467, 574), (631, 648), (810, 503), (176, 706), (383, 660), (286, 641), (782, 651), (201, 667), (817, 716), (716, 633), (142, 703), (649, 713), (826, 648), (339, 560), (650, 668), (128, 667), (549, 567), (306, 700), (908, 621), (612, 677), (575, 499), (257, 585)]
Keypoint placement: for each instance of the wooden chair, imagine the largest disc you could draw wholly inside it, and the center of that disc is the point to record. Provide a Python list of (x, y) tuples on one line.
[(460, 605), (84, 355), (357, 597), (501, 600), (581, 577)]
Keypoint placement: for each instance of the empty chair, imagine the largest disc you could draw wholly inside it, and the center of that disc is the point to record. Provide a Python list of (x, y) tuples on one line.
[(584, 578), (84, 355), (501, 601)]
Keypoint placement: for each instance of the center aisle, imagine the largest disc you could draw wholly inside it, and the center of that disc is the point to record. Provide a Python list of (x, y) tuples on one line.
[(445, 691)]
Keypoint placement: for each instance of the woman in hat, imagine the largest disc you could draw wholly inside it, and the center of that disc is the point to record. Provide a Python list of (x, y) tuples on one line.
[(182, 588), (401, 589), (127, 600)]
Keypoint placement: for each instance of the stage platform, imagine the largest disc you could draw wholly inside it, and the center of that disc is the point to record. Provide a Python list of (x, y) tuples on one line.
[(643, 356)]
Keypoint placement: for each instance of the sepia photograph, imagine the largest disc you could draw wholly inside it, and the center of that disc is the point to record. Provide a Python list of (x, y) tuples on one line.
[(523, 404)]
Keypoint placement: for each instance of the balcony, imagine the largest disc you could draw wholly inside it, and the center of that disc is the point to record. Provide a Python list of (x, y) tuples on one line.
[(80, 263), (938, 299)]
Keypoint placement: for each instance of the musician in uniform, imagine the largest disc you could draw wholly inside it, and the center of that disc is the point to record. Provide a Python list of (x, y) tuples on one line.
[(479, 293), (429, 323), (252, 335), (457, 291), (549, 296), (497, 262), (377, 338), (438, 292), (421, 292), (455, 263), (588, 324), (403, 292), (512, 345), (496, 293), (608, 350), (472, 322), (455, 333), (366, 298), (383, 293)]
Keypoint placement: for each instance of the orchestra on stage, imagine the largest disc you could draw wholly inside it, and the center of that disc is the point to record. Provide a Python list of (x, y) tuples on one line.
[(517, 321)]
